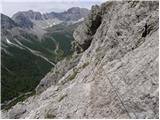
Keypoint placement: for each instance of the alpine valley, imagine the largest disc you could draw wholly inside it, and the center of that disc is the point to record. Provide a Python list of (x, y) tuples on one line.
[(32, 43)]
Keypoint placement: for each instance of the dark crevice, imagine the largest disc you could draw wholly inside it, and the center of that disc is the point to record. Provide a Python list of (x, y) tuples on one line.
[(144, 34), (91, 31), (86, 44), (91, 24), (119, 33), (95, 24)]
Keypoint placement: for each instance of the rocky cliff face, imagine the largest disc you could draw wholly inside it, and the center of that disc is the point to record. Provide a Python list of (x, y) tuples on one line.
[(117, 74)]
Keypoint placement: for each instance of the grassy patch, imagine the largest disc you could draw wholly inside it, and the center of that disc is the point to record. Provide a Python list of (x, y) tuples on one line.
[(50, 116), (21, 98), (62, 97), (75, 71), (69, 57), (71, 77), (85, 64)]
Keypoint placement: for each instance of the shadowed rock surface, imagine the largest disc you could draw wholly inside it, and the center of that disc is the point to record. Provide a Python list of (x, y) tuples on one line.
[(117, 74), (6, 22)]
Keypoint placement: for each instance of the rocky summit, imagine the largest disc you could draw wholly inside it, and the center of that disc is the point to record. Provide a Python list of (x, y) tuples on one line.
[(112, 74)]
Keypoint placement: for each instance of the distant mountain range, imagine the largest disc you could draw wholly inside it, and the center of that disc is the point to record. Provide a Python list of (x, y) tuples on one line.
[(32, 43), (28, 18)]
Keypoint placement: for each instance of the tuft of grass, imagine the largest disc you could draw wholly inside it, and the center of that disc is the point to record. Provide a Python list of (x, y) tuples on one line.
[(85, 64), (71, 77), (62, 97), (50, 116), (69, 57), (75, 72), (57, 72)]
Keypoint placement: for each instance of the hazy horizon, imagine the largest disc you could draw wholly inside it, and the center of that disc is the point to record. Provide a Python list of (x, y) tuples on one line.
[(10, 7)]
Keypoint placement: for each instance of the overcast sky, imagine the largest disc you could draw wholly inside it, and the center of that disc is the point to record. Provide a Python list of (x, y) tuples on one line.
[(9, 7)]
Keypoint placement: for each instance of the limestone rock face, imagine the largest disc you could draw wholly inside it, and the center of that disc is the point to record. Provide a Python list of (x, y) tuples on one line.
[(58, 72), (84, 33), (117, 75)]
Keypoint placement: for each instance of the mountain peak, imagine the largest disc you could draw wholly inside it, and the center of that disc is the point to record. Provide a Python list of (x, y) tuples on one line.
[(22, 20), (30, 14), (74, 9)]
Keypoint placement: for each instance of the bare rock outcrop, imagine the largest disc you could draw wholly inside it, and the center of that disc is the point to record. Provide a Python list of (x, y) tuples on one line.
[(58, 72), (117, 75), (84, 33)]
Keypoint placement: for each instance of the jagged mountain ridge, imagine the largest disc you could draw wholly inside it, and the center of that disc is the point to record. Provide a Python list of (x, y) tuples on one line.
[(33, 17), (116, 74)]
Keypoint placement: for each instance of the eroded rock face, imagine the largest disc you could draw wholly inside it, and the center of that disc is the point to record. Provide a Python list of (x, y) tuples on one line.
[(58, 72), (117, 75), (84, 33)]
